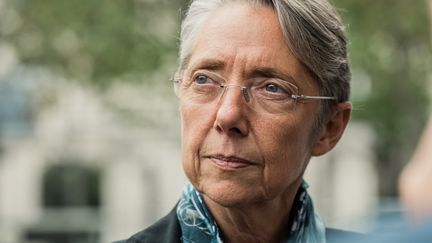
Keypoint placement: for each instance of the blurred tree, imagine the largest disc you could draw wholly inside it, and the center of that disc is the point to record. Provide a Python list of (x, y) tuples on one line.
[(95, 40), (391, 59), (430, 15)]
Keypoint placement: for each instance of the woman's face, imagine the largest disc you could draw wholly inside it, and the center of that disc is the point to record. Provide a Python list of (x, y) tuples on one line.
[(231, 153)]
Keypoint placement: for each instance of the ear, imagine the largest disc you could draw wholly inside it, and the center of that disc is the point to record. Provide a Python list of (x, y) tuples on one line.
[(333, 129)]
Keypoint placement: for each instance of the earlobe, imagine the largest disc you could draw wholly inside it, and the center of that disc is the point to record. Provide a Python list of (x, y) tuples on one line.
[(333, 129)]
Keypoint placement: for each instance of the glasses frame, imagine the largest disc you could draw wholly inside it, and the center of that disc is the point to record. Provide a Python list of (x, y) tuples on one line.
[(244, 89)]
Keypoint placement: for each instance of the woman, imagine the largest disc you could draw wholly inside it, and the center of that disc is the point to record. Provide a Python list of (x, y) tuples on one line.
[(263, 86)]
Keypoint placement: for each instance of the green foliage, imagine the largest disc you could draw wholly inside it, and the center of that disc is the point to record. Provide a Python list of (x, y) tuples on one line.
[(97, 40)]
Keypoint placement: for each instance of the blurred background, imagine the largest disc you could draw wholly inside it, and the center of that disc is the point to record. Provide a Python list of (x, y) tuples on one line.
[(89, 127)]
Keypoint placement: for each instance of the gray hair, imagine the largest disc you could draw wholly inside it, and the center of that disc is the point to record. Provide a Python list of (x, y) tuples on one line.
[(313, 31)]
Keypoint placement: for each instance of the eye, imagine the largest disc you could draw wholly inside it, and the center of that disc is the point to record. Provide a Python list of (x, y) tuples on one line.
[(202, 79), (273, 88)]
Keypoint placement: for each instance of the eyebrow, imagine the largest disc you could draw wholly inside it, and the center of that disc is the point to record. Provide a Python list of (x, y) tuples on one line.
[(269, 72), (210, 64)]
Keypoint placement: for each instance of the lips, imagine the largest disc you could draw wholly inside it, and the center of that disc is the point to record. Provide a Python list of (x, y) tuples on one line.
[(230, 162)]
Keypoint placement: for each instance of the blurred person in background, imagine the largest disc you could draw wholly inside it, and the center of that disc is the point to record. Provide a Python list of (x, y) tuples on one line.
[(416, 179), (263, 86)]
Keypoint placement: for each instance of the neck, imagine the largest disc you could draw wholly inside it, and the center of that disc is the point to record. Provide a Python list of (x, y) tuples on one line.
[(267, 221)]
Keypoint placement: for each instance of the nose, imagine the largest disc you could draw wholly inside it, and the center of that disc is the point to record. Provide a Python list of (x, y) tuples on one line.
[(231, 116)]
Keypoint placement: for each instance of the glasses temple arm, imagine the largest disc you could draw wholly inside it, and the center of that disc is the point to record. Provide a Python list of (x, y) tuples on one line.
[(309, 97)]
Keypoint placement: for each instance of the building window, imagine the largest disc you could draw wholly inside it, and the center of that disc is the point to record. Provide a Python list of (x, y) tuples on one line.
[(71, 186), (71, 202)]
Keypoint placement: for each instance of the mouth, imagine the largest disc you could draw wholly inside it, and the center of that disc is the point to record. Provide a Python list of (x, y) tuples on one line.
[(230, 162)]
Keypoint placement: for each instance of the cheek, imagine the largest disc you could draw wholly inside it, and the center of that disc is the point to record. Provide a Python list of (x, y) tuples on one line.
[(284, 137), (286, 151), (195, 124)]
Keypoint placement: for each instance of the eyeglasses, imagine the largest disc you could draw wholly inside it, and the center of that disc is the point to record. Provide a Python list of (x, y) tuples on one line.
[(270, 95)]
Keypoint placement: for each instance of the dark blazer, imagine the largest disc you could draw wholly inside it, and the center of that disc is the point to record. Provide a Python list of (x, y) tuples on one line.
[(167, 230)]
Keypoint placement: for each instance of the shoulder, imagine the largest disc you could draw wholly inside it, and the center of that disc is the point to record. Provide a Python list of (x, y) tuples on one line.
[(339, 236), (167, 229)]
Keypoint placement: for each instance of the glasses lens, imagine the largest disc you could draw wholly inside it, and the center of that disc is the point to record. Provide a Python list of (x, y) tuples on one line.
[(264, 96), (273, 96), (199, 92)]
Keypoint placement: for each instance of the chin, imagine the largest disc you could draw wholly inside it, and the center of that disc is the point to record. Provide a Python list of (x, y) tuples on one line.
[(231, 194)]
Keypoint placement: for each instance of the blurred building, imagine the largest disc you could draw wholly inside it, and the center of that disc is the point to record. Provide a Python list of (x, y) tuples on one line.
[(71, 170)]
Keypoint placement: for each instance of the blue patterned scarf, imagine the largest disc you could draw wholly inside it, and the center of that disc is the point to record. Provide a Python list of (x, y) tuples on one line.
[(197, 223)]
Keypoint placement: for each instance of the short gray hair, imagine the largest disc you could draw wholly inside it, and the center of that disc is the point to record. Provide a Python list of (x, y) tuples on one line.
[(314, 33)]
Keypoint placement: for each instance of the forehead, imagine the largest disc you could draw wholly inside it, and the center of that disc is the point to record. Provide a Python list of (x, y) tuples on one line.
[(239, 37)]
